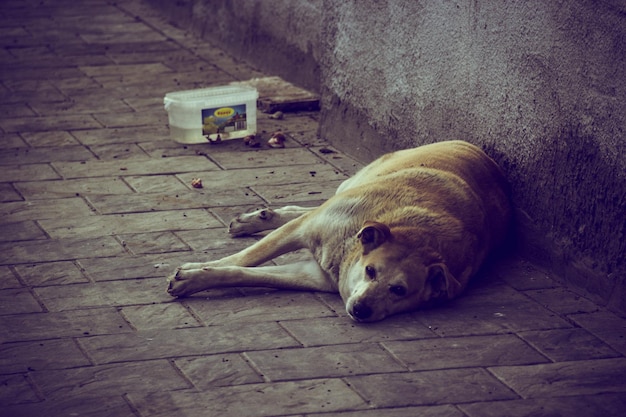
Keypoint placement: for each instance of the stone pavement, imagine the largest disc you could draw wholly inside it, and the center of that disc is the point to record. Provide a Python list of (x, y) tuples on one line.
[(97, 209)]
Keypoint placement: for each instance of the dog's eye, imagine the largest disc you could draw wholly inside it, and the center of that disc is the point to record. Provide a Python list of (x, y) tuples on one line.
[(398, 290), (370, 271)]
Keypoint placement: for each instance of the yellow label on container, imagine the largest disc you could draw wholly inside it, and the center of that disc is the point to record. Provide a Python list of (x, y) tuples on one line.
[(224, 112)]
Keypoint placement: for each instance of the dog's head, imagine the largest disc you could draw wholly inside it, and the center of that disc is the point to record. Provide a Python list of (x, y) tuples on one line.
[(393, 273)]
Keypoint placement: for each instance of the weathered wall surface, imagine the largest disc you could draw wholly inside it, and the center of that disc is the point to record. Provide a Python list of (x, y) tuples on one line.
[(281, 37), (540, 85)]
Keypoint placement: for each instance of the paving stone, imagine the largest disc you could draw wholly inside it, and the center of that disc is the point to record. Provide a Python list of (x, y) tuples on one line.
[(29, 172), (15, 389), (214, 243), (159, 316), (426, 411), (50, 273), (176, 343), (45, 123), (562, 301), (332, 330), (118, 151), (111, 224), (163, 184), (10, 140), (133, 167), (44, 154), (568, 344), (56, 189), (106, 293), (297, 193), (207, 372), (606, 326), (128, 135), (20, 231), (523, 275), (451, 386), (40, 326), (324, 361), (565, 378), (157, 242), (266, 158), (253, 400), (270, 306), (8, 193), (609, 405), (58, 250), (131, 267), (97, 406), (107, 380), (7, 279), (464, 352), (41, 355), (40, 210), (15, 301), (496, 308), (54, 138)]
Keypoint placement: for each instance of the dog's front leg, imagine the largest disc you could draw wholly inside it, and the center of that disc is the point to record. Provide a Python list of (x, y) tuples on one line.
[(304, 276)]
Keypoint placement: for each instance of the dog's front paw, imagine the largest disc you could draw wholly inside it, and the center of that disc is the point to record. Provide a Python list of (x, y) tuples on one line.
[(251, 223), (178, 285)]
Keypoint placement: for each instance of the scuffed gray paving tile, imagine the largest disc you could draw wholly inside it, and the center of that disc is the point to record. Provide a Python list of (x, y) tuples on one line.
[(464, 352), (108, 380), (38, 210), (44, 154), (163, 184), (329, 331), (157, 242), (124, 135), (10, 141), (324, 361), (94, 406), (253, 400), (129, 118), (58, 250), (430, 387), (297, 193), (493, 308), (14, 232), (40, 355), (118, 151), (8, 193), (159, 316), (16, 301), (608, 327), (568, 344), (562, 300), (147, 69), (28, 172), (424, 411), (53, 138), (523, 275), (131, 267), (605, 405), (134, 167), (7, 279), (105, 293), (50, 273), (15, 389), (111, 224), (207, 372), (213, 244), (38, 326), (47, 123), (176, 343), (176, 200), (565, 378), (266, 158), (271, 306), (53, 189)]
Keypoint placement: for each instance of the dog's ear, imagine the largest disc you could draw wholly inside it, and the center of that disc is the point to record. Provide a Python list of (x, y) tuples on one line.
[(444, 286), (372, 235)]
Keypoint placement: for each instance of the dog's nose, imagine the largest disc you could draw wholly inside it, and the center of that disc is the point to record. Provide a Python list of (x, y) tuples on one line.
[(361, 311)]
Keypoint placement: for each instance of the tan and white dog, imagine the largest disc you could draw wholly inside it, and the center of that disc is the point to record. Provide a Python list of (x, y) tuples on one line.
[(408, 230)]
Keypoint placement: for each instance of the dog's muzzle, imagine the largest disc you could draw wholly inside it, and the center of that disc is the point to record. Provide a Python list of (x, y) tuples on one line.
[(361, 311)]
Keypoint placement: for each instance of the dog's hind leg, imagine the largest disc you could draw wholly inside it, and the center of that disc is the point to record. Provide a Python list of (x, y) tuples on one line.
[(304, 276), (264, 219)]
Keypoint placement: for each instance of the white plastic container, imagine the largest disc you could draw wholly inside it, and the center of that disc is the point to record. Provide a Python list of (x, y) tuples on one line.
[(199, 116)]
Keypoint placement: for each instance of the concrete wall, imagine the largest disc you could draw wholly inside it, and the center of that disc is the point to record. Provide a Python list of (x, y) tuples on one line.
[(541, 85)]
